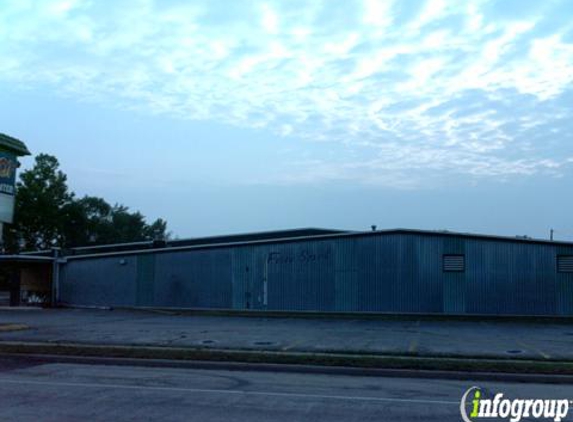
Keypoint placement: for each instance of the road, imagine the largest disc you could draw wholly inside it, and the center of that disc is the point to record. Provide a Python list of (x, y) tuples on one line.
[(56, 391)]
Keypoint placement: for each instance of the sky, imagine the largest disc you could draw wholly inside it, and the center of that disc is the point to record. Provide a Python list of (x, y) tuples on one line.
[(238, 116)]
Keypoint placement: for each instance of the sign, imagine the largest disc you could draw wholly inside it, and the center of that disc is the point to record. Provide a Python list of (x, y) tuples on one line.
[(8, 166), (6, 208)]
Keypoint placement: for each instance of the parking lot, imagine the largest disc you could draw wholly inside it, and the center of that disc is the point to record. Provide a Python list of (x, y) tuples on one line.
[(423, 337)]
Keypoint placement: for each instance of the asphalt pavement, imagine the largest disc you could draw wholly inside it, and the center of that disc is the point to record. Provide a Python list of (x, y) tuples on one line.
[(52, 391), (424, 337)]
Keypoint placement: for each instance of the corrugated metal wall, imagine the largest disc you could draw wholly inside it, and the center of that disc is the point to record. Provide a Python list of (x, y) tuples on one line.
[(384, 273), (102, 281), (201, 279)]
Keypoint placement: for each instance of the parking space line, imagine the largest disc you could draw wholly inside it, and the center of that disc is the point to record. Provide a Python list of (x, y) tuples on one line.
[(534, 349), (292, 345), (413, 348)]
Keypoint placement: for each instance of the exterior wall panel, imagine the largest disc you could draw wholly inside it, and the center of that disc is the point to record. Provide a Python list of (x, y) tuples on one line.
[(198, 279), (242, 270), (300, 276), (347, 289), (510, 278), (564, 286), (100, 281), (401, 272), (145, 280)]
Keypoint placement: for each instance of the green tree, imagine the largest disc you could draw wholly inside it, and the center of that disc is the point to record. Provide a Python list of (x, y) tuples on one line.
[(41, 196), (157, 230), (89, 222), (100, 223), (47, 214)]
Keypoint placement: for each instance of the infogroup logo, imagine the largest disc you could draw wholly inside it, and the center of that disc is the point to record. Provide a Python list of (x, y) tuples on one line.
[(513, 409)]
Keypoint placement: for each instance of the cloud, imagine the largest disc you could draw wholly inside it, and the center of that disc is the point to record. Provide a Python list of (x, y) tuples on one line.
[(269, 20), (454, 88)]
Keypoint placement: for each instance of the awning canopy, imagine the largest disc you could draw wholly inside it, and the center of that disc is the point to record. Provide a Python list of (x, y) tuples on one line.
[(23, 259), (13, 145)]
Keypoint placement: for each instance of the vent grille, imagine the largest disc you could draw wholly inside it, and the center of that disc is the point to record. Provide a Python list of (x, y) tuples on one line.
[(455, 263), (565, 263)]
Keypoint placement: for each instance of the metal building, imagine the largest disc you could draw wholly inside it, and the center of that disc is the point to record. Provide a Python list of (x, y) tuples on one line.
[(397, 271)]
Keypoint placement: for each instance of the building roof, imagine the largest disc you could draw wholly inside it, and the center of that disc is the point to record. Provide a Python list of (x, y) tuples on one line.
[(526, 239), (279, 236), (197, 241), (250, 237), (13, 145)]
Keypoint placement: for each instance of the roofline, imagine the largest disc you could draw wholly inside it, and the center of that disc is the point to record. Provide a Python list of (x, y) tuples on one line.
[(479, 236), (20, 258), (268, 232), (37, 252), (112, 245), (326, 237), (206, 238), (13, 145)]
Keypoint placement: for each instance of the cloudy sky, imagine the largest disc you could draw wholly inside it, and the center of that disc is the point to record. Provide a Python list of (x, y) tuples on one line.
[(233, 116)]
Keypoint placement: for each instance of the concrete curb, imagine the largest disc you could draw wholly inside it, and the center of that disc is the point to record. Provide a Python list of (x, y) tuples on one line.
[(386, 362), (41, 359), (255, 313)]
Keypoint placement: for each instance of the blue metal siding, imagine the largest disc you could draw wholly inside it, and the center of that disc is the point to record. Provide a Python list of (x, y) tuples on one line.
[(145, 280), (510, 278), (300, 276), (378, 273), (564, 286), (454, 284), (430, 289), (194, 279), (399, 272), (100, 282), (347, 288), (242, 270)]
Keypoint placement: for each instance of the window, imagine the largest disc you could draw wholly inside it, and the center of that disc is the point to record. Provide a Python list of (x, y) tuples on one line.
[(454, 263), (565, 263)]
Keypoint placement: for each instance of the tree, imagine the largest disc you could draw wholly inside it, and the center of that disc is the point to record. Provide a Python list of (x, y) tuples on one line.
[(158, 230), (100, 223), (41, 196), (89, 218), (48, 215)]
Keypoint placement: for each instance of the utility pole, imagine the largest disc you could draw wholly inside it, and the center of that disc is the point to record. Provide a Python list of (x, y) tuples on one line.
[(551, 234)]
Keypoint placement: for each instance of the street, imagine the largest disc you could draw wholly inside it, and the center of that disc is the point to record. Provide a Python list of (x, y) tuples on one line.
[(50, 391)]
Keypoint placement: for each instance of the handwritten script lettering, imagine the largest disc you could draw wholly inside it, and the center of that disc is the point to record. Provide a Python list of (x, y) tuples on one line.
[(304, 257)]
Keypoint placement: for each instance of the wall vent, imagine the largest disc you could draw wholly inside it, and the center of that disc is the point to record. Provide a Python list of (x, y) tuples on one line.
[(454, 263), (565, 263)]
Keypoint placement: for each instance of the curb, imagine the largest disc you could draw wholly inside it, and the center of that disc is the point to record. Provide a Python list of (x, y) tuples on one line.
[(41, 359), (256, 313), (386, 362)]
